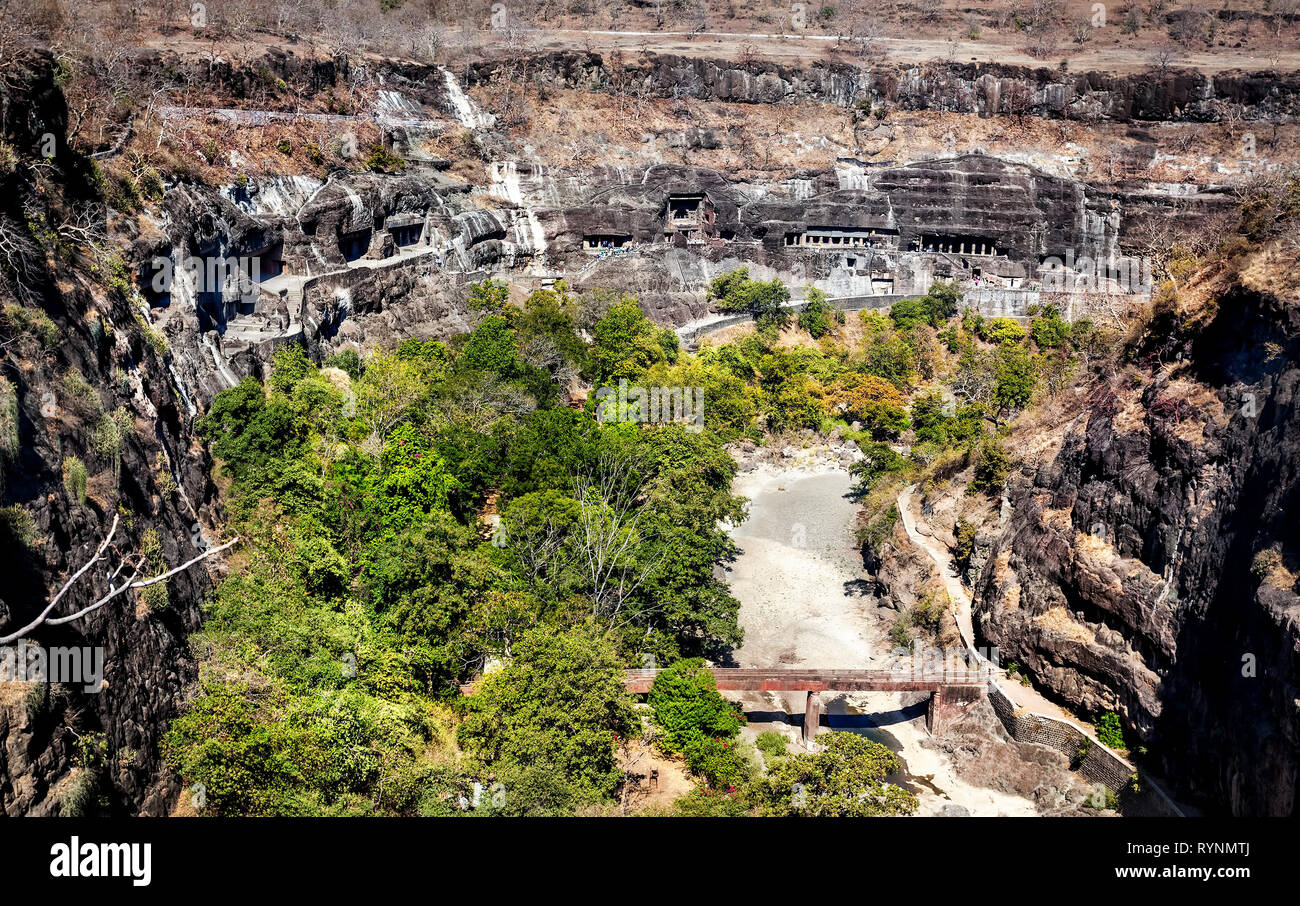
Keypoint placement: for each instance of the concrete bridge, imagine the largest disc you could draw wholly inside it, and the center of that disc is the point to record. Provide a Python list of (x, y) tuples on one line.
[(951, 692)]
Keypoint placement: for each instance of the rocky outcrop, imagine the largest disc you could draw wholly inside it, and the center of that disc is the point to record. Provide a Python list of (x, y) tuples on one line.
[(852, 229), (1150, 569), (982, 89), (94, 388)]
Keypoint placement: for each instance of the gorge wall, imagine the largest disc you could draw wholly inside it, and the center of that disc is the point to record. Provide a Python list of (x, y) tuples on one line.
[(88, 384), (1150, 569)]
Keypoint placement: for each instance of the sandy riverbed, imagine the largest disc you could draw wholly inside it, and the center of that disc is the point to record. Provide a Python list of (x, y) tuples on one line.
[(799, 580)]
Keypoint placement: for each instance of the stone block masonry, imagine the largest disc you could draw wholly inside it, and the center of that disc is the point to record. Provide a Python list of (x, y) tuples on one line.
[(1099, 764)]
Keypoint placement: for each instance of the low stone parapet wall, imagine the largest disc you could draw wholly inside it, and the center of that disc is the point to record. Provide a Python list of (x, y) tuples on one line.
[(1099, 764)]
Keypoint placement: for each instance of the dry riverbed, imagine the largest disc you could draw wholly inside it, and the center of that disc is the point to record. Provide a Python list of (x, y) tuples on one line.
[(804, 603)]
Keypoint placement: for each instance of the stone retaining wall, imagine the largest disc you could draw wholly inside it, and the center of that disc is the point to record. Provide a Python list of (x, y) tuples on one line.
[(1099, 764)]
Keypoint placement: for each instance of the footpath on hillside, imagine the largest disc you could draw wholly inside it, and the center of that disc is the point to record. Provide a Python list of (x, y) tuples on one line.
[(960, 598)]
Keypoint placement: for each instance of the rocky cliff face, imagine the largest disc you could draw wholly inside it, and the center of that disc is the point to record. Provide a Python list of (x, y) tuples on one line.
[(332, 273), (88, 386), (982, 89), (1151, 568)]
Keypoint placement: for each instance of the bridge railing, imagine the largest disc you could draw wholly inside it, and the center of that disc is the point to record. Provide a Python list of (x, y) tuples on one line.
[(813, 680)]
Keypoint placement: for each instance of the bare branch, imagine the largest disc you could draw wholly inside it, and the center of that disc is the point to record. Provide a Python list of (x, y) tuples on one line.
[(131, 583)]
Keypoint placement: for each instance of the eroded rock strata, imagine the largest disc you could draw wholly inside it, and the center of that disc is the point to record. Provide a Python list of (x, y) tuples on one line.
[(1148, 569)]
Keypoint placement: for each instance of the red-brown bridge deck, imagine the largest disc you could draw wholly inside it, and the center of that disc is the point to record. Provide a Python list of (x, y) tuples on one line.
[(763, 679), (749, 679)]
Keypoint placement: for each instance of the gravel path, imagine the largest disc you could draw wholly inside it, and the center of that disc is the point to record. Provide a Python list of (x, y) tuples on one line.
[(1022, 696)]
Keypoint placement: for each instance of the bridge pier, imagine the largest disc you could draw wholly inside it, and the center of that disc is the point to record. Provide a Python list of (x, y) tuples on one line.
[(949, 703), (812, 715)]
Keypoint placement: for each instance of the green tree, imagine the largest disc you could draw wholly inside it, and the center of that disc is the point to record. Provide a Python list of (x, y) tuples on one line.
[(878, 460), (289, 365), (1001, 330), (388, 391), (1016, 376), (885, 353), (991, 468), (248, 433), (347, 361), (1050, 330), (930, 419), (625, 343), (491, 347), (942, 301), (560, 706), (248, 765), (845, 779), (490, 296), (736, 291), (818, 316), (872, 400), (687, 707), (1110, 731)]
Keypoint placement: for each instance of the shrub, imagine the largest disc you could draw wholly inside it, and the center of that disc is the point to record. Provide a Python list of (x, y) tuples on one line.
[(16, 524), (719, 761), (736, 291), (108, 437), (78, 392), (818, 317), (8, 159), (964, 538), (347, 361), (491, 296), (32, 322), (38, 700), (927, 617), (164, 479), (1050, 331), (879, 460), (688, 708), (382, 160), (991, 469), (78, 796), (74, 479), (1265, 562), (706, 802), (900, 633), (1110, 731), (154, 596), (560, 705), (9, 439), (845, 779), (1002, 330), (772, 744)]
